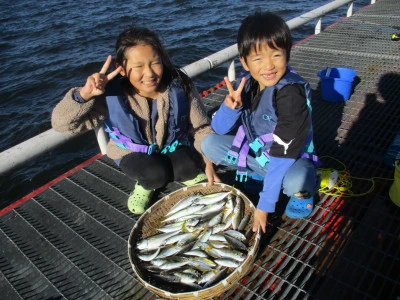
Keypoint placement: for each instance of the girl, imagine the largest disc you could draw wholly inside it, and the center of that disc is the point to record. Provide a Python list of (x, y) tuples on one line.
[(152, 113)]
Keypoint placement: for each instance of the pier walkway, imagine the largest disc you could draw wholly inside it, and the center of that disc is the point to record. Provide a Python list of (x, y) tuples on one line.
[(70, 240)]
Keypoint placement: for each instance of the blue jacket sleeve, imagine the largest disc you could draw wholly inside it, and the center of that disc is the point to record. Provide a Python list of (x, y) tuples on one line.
[(277, 169), (225, 118)]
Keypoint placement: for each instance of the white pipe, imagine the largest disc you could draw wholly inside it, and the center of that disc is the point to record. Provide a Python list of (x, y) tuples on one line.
[(24, 152), (210, 62), (316, 13)]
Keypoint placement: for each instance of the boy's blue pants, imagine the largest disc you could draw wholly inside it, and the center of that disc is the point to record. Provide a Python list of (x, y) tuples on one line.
[(301, 176)]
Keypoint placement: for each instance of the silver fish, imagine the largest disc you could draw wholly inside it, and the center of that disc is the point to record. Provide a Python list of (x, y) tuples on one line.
[(155, 241), (203, 260), (201, 266), (170, 264), (186, 277), (243, 223), (217, 237), (184, 212), (237, 213), (227, 262), (236, 234), (212, 198), (216, 278), (173, 249), (197, 252), (210, 250), (229, 253), (192, 222), (198, 227), (148, 256), (172, 227), (182, 238), (217, 219), (192, 271), (189, 239), (204, 236), (219, 227), (207, 276), (211, 208), (228, 221), (235, 243), (183, 204), (228, 209), (219, 244)]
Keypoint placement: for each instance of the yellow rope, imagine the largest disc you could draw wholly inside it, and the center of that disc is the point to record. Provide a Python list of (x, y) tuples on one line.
[(343, 185)]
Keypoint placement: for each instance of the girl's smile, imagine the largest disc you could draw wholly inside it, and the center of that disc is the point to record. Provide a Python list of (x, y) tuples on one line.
[(144, 70)]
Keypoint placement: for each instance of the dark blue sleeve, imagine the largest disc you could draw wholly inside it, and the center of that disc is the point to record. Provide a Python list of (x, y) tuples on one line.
[(225, 118), (77, 97), (277, 169)]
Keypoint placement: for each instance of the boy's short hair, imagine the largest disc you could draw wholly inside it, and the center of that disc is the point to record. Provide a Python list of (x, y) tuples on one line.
[(263, 27)]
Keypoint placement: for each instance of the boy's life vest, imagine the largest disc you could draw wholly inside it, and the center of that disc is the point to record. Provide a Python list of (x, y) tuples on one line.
[(123, 127), (257, 127)]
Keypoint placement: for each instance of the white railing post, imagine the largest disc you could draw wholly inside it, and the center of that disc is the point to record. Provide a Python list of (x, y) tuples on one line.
[(318, 26), (232, 71), (350, 10), (102, 138)]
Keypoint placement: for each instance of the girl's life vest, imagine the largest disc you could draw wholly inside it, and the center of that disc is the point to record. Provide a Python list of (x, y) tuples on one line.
[(123, 127), (257, 128)]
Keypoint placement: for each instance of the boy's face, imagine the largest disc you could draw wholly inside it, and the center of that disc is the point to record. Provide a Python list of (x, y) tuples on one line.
[(266, 65)]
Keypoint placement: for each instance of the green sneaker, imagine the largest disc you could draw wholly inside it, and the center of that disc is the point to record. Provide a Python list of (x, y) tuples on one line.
[(138, 200), (199, 178)]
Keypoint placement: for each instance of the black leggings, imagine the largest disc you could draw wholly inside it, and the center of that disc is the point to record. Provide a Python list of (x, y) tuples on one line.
[(156, 170)]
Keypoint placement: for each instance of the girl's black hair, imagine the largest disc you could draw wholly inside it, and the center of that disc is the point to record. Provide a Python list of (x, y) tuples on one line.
[(133, 36), (263, 27)]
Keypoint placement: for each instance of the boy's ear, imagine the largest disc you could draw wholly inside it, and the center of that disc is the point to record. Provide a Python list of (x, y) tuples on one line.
[(244, 64)]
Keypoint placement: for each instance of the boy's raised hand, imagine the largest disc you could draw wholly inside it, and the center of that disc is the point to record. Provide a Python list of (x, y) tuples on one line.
[(234, 99), (95, 84)]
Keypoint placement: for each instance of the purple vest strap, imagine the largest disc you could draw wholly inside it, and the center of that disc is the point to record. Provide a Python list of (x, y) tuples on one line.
[(125, 142)]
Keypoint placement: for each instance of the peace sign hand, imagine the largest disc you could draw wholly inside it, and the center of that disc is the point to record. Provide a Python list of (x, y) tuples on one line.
[(234, 99), (95, 83)]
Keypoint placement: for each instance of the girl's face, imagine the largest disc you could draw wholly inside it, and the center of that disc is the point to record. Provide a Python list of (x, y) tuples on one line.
[(144, 70), (266, 65)]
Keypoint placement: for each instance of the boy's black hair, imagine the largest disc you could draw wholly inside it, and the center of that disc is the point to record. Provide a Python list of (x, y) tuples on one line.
[(263, 27)]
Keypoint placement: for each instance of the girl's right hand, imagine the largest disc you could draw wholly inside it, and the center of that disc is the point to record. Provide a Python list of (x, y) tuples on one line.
[(234, 99), (95, 84)]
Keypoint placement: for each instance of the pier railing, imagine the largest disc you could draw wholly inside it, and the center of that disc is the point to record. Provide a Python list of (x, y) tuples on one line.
[(33, 148)]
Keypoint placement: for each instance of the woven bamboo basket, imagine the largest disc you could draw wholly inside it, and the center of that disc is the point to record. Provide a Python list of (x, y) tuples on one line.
[(151, 220)]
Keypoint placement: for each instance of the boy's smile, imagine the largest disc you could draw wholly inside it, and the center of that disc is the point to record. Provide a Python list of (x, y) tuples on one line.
[(265, 64)]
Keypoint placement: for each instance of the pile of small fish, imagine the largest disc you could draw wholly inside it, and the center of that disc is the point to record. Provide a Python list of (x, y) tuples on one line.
[(199, 242)]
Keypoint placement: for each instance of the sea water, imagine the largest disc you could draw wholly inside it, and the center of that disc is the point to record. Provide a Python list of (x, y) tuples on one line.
[(47, 47)]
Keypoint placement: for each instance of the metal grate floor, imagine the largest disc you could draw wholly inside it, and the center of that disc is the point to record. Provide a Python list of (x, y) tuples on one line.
[(70, 241)]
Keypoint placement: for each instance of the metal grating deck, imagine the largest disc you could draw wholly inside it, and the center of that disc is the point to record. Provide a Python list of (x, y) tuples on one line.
[(70, 241)]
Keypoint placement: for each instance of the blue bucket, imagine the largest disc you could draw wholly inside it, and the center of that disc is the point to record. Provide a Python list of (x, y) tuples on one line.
[(336, 83)]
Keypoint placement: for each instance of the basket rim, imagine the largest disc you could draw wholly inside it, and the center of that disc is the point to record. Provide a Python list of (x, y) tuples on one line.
[(222, 285)]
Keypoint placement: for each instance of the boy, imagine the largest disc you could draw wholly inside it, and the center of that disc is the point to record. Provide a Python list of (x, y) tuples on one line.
[(264, 126)]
